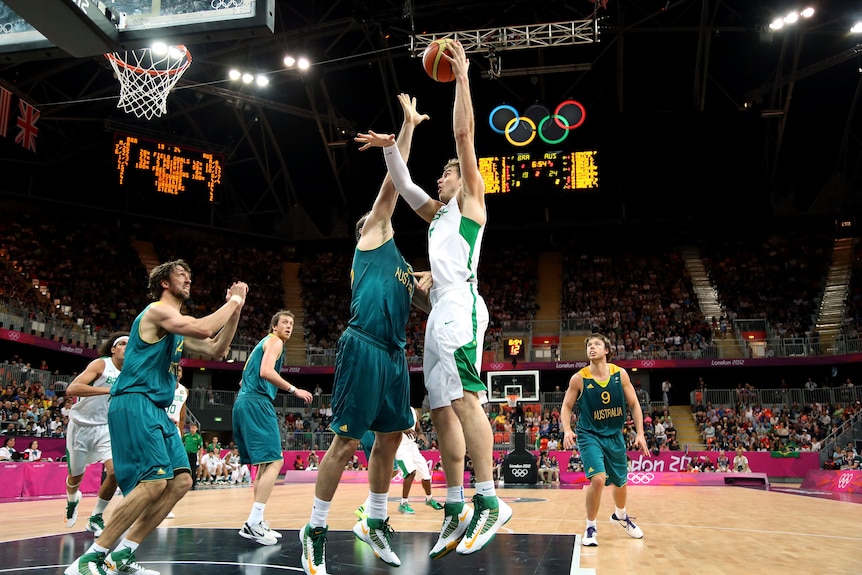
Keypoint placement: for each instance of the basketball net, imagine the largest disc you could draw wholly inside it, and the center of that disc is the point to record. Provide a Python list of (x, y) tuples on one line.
[(146, 78), (512, 400)]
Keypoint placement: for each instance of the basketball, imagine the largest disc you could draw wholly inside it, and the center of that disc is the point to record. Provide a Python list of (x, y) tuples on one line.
[(436, 66)]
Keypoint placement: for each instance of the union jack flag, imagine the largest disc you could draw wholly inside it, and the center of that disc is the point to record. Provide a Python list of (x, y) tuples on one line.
[(27, 130)]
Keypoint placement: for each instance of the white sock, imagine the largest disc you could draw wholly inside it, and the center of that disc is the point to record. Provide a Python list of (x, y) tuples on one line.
[(377, 505), (455, 494), (620, 513), (319, 512), (404, 501), (101, 504), (75, 497), (591, 523), (256, 515), (126, 544), (486, 489), (97, 549)]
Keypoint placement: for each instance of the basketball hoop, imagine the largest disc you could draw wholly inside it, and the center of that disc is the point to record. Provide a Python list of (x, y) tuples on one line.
[(147, 76), (512, 400)]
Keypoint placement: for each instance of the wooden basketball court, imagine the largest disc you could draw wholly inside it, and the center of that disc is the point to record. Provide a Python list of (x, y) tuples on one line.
[(688, 530)]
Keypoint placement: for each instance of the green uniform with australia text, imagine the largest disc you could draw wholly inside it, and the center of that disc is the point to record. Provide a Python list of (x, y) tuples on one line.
[(255, 423), (145, 442), (601, 417), (372, 384)]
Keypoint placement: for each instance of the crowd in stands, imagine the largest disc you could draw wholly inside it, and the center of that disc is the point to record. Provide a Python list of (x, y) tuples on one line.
[(754, 427), (324, 279), (27, 406), (89, 273), (222, 263), (777, 277), (853, 302), (642, 299), (639, 295)]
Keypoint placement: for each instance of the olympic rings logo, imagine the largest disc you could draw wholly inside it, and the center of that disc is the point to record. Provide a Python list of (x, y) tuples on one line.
[(519, 472), (648, 363), (845, 480), (641, 478), (14, 335), (537, 120), (6, 28), (495, 366)]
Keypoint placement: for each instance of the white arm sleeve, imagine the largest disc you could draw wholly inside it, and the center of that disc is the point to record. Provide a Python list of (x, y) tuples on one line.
[(412, 194)]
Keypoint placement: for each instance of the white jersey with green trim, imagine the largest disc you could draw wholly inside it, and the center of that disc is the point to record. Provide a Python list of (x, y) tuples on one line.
[(454, 243), (93, 410)]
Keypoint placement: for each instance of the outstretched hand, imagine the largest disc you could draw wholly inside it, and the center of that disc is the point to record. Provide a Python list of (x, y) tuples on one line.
[(458, 59), (374, 140), (411, 114)]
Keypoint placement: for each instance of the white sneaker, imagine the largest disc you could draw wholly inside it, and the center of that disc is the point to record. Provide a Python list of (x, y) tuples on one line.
[(456, 519), (313, 541), (72, 510), (589, 539), (257, 533), (87, 564), (123, 561), (631, 529), (377, 534), (272, 532), (489, 514), (96, 524)]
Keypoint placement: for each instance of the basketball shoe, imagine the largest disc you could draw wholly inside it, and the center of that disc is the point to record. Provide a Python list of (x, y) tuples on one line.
[(589, 539), (631, 529), (123, 561), (313, 541), (489, 514), (456, 518), (377, 534)]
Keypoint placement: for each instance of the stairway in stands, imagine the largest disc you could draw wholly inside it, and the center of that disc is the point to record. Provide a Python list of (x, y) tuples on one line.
[(295, 346), (686, 428), (830, 318), (707, 299), (147, 254)]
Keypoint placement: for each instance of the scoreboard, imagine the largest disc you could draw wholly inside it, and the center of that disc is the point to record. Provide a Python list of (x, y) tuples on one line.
[(166, 168), (540, 171)]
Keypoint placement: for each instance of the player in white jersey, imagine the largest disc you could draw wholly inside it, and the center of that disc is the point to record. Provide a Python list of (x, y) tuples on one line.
[(87, 437), (177, 412), (177, 409), (456, 326), (410, 462)]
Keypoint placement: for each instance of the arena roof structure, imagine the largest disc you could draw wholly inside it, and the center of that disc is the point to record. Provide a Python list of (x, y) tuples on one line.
[(691, 107)]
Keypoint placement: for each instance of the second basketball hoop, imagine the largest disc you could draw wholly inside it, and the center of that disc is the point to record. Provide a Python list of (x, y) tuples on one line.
[(147, 76)]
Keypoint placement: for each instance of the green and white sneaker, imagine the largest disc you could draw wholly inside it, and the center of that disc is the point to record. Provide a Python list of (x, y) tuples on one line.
[(313, 541), (361, 513), (96, 524), (433, 503), (72, 510), (405, 508), (123, 561), (88, 564), (377, 534), (456, 518), (489, 514)]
